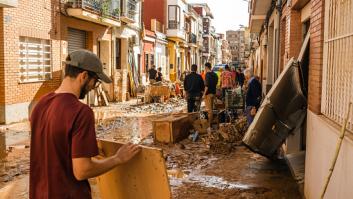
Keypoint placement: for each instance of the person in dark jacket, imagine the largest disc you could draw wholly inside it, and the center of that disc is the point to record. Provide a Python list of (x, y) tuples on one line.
[(159, 77), (211, 80), (193, 86), (152, 74), (240, 78), (253, 95)]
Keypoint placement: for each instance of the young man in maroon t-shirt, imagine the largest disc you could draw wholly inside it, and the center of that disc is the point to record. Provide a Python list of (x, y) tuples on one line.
[(63, 139)]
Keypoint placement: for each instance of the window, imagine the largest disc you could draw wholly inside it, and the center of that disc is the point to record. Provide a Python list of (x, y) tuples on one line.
[(173, 17), (337, 87), (118, 53), (35, 59), (146, 62)]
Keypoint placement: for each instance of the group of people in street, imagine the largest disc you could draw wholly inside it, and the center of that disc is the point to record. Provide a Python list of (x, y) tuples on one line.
[(63, 138), (203, 86), (155, 75)]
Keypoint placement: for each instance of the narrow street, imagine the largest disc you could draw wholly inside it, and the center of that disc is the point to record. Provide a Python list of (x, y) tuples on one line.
[(195, 169), (176, 99)]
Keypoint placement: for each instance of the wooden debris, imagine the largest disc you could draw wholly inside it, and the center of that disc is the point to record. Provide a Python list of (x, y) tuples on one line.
[(143, 177), (171, 129)]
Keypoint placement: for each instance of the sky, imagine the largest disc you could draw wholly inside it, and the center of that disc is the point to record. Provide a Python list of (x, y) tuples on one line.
[(228, 14)]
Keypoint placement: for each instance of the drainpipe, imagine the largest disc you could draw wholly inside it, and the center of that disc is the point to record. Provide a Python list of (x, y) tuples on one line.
[(277, 39)]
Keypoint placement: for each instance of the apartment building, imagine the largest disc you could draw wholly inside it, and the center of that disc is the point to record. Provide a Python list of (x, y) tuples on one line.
[(154, 19), (209, 33)]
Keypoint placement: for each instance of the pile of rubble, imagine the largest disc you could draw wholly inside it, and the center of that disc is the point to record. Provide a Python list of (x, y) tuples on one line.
[(224, 139), (173, 105)]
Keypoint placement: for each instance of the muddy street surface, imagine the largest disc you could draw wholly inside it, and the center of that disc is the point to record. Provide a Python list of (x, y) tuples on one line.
[(197, 172), (216, 165)]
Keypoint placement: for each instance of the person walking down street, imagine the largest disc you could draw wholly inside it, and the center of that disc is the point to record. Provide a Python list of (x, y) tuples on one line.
[(193, 86), (152, 74), (234, 75), (159, 77), (203, 74), (240, 78), (226, 81), (253, 95), (63, 137), (211, 80)]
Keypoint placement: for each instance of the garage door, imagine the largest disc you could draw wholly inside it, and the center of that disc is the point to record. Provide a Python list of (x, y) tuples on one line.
[(77, 39)]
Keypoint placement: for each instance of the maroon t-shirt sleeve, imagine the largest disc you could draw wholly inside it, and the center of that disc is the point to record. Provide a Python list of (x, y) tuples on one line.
[(84, 143)]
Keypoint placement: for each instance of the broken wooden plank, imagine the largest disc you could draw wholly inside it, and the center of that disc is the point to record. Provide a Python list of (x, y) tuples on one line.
[(143, 177)]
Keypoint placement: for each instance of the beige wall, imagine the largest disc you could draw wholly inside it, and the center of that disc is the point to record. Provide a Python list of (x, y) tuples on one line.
[(322, 136)]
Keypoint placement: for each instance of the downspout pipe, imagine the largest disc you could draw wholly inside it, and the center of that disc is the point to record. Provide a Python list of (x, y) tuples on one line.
[(278, 35)]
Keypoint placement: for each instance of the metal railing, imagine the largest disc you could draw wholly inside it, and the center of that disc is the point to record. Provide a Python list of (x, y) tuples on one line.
[(337, 89), (131, 9), (192, 38), (173, 25), (104, 8)]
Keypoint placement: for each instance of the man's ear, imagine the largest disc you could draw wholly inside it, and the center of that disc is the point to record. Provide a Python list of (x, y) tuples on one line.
[(83, 76)]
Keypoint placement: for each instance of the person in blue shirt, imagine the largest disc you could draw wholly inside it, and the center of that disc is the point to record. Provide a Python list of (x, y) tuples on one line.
[(253, 95)]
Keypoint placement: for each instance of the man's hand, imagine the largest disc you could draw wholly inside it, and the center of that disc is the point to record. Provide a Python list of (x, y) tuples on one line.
[(126, 153), (84, 168)]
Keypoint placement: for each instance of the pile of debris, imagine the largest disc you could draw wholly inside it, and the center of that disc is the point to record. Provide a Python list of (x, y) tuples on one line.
[(224, 139), (173, 105)]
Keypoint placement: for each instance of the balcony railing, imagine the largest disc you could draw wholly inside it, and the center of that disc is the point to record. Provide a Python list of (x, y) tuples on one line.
[(192, 38), (104, 8), (131, 9), (173, 24)]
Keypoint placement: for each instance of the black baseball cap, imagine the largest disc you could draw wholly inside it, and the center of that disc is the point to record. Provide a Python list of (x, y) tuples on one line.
[(89, 61)]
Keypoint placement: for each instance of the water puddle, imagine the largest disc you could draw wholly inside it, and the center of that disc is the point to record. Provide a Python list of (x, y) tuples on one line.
[(216, 182), (177, 177)]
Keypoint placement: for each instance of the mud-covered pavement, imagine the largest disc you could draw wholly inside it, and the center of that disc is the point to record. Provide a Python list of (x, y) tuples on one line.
[(197, 172), (195, 169)]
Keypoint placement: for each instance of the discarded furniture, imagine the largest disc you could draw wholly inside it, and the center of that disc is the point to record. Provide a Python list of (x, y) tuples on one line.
[(282, 112), (158, 90), (172, 129), (234, 99), (100, 98), (143, 177)]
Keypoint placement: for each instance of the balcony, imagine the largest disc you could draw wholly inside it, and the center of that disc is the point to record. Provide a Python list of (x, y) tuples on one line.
[(173, 25), (8, 3), (192, 38), (258, 12), (104, 12), (157, 26), (129, 11), (175, 30)]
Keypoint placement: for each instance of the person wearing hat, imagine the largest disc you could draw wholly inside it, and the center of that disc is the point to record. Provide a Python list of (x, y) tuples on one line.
[(63, 137)]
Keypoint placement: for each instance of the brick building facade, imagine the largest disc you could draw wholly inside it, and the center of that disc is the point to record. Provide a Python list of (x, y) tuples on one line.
[(33, 48), (329, 75), (39, 20)]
